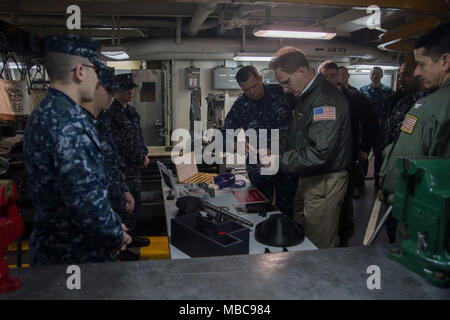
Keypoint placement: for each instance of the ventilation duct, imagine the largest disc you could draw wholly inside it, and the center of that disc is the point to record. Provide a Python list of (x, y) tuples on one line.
[(224, 49)]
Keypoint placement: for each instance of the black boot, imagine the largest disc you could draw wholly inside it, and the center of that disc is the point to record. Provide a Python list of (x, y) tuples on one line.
[(138, 242), (128, 255)]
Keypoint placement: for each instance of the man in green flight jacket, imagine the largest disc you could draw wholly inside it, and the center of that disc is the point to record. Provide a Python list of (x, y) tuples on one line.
[(318, 148), (426, 128)]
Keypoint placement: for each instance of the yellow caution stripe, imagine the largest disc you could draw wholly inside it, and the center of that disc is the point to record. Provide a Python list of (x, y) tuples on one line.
[(157, 250), (13, 246)]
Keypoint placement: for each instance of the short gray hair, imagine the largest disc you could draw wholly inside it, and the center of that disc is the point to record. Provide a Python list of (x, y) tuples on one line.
[(288, 59)]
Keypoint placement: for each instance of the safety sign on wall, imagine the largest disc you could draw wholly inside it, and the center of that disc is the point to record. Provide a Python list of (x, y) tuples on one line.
[(192, 78)]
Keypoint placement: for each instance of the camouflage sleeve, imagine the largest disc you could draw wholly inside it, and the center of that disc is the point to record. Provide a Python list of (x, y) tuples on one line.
[(119, 142), (83, 186), (143, 151), (234, 118), (362, 90), (123, 185), (140, 150)]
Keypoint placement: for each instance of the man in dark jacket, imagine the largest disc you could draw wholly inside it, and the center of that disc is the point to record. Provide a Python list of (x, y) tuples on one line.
[(318, 147), (364, 128)]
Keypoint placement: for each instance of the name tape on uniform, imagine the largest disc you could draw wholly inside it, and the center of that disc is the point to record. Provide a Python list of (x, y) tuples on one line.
[(325, 113), (409, 123)]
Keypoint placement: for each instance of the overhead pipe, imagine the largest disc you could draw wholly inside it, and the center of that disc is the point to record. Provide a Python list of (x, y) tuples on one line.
[(237, 15), (97, 21), (226, 48), (178, 31), (201, 14)]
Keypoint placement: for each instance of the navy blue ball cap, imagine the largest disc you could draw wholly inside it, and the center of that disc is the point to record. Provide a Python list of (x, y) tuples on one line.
[(96, 62), (125, 81), (74, 45), (107, 79)]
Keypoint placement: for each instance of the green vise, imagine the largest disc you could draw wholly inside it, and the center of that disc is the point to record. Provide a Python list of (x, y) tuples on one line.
[(422, 204)]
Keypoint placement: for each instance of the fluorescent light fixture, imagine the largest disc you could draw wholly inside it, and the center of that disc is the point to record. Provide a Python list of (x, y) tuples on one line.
[(370, 67), (242, 56), (116, 53), (293, 32)]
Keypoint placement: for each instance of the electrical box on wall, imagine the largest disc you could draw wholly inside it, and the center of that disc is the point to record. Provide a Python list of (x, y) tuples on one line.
[(224, 78), (192, 78)]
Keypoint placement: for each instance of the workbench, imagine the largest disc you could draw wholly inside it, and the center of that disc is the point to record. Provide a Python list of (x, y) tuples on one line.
[(339, 273), (226, 198)]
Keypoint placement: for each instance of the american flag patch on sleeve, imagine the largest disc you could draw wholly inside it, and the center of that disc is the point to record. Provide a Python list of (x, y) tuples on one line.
[(325, 113), (409, 123)]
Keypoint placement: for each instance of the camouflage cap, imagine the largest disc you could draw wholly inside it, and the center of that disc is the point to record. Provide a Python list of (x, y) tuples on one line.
[(125, 81), (74, 45), (107, 79)]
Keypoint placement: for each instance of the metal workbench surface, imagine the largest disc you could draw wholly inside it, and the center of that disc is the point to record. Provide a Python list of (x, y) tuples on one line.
[(339, 273)]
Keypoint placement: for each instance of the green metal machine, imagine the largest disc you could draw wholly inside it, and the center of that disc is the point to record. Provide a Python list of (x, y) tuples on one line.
[(422, 204)]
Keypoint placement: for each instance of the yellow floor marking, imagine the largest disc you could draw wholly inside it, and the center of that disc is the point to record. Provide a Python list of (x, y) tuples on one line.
[(13, 246), (157, 250)]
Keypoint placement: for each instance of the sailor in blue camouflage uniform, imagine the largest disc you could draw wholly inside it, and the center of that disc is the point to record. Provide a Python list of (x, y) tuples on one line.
[(74, 221), (379, 96), (117, 187), (126, 130), (264, 107), (119, 195)]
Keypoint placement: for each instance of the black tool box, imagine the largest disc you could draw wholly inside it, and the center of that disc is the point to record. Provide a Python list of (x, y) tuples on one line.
[(199, 237)]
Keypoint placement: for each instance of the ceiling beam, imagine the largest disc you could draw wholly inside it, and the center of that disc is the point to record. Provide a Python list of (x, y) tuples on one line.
[(420, 5), (411, 29)]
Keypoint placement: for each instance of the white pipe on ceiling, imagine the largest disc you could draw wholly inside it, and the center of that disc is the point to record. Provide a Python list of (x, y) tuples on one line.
[(200, 16), (223, 48)]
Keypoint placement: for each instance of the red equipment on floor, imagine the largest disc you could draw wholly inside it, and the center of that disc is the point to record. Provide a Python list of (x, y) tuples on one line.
[(11, 228)]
